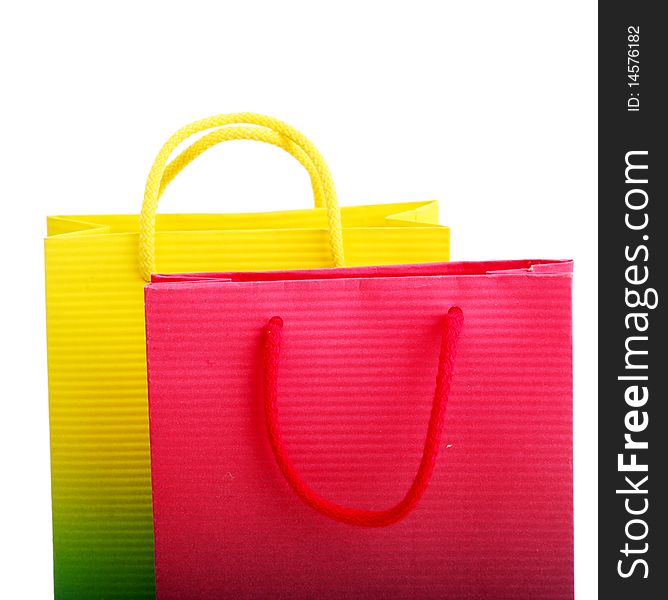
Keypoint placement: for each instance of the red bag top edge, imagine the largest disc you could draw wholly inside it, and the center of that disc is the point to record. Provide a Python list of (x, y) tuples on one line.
[(494, 267)]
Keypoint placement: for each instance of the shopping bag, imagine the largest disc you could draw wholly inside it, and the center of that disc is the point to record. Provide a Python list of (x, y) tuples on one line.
[(301, 446), (96, 267)]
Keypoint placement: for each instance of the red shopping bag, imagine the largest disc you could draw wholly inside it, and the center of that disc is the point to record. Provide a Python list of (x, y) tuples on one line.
[(301, 446)]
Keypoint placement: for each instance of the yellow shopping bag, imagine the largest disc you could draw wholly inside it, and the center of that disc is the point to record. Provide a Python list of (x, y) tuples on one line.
[(96, 268)]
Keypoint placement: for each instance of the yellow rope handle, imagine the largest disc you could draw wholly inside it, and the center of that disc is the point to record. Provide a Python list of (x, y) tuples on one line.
[(260, 134), (161, 172)]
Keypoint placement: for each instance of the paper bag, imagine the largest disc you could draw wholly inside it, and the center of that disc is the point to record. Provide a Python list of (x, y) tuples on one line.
[(96, 267), (389, 432)]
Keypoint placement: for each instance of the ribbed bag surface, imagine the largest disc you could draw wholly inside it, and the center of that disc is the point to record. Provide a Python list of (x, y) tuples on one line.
[(96, 268), (382, 432)]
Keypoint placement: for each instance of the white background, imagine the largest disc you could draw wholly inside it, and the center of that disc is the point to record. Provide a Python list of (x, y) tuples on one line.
[(488, 107)]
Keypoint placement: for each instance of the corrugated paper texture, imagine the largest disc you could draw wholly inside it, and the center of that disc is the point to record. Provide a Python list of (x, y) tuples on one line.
[(358, 367), (102, 519)]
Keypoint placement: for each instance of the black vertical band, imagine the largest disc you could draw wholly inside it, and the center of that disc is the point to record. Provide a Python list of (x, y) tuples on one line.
[(633, 262)]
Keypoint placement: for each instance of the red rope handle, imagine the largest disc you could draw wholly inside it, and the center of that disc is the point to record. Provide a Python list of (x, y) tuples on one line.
[(354, 516)]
